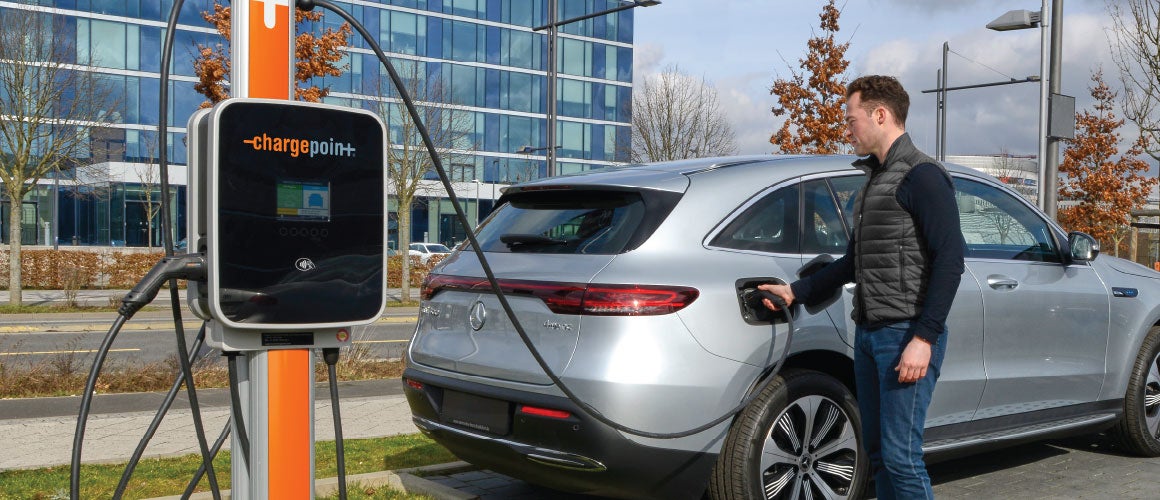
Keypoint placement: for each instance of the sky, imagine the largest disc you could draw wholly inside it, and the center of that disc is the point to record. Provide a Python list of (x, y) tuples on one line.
[(742, 46)]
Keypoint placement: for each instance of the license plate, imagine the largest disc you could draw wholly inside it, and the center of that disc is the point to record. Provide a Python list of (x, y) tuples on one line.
[(476, 412)]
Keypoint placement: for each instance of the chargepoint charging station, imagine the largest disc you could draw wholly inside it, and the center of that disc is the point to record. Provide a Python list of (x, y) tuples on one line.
[(289, 210), (287, 203)]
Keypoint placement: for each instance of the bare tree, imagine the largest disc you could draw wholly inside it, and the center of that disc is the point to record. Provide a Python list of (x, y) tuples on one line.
[(149, 175), (1135, 40), (1009, 170), (452, 130), (676, 116), (48, 108)]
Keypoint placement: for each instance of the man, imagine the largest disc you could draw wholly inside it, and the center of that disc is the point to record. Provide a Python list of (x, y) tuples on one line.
[(906, 256)]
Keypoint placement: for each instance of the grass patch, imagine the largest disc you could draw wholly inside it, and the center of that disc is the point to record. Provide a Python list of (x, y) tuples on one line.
[(170, 476)]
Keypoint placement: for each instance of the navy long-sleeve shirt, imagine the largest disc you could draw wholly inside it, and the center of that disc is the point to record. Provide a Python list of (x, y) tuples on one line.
[(929, 196)]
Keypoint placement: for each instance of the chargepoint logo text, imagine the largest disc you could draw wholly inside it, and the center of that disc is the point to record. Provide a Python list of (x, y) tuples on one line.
[(296, 146)]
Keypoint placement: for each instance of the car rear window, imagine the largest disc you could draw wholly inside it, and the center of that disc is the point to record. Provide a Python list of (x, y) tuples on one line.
[(572, 222)]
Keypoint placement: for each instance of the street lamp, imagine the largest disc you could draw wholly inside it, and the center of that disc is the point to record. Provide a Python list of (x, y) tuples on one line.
[(551, 73), (1048, 146), (527, 151)]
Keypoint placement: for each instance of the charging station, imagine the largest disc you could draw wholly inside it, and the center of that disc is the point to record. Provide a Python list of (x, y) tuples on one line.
[(289, 210)]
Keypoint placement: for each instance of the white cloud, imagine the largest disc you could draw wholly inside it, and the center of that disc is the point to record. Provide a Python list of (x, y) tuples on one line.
[(746, 102), (987, 120), (646, 60)]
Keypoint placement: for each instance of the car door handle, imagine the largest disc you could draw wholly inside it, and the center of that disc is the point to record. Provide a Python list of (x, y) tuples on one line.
[(1001, 283)]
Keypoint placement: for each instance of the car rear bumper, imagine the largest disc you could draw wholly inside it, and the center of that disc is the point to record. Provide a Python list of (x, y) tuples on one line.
[(574, 453)]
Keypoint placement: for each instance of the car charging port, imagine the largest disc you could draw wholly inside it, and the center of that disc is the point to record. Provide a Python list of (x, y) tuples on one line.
[(749, 299)]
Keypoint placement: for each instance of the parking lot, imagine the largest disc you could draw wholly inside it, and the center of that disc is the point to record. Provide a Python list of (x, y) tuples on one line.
[(1081, 467), (1074, 468)]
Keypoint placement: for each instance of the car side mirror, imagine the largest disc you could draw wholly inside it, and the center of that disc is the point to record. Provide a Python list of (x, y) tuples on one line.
[(1083, 247)]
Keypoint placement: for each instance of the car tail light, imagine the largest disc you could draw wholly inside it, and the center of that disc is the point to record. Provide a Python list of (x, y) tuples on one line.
[(577, 298), (545, 412)]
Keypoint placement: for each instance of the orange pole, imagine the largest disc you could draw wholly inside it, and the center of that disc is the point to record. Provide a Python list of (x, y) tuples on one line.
[(268, 59), (290, 427)]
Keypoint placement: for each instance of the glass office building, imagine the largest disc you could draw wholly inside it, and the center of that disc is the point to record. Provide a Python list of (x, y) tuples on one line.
[(482, 54)]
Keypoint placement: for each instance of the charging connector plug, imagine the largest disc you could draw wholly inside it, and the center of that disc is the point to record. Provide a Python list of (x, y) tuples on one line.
[(188, 267), (776, 299), (751, 298)]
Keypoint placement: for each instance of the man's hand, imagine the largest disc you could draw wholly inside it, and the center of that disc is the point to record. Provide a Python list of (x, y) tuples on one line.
[(915, 360), (782, 291)]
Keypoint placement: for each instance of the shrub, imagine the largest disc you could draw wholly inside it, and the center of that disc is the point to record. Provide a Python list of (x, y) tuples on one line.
[(73, 270), (125, 269)]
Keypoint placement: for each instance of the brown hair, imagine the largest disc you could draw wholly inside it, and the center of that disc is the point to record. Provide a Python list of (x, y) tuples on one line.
[(879, 90)]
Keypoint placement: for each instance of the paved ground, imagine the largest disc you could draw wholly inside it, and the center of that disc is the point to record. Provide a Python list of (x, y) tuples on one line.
[(1087, 467), (38, 432)]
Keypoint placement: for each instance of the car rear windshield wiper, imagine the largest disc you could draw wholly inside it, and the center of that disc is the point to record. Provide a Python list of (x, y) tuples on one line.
[(513, 239)]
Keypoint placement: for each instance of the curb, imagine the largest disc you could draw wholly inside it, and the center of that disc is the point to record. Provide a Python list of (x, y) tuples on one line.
[(405, 480)]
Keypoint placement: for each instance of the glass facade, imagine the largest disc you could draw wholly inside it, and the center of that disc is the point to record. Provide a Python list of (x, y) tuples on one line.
[(483, 53)]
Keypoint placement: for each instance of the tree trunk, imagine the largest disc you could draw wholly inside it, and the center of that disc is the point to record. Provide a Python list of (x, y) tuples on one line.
[(404, 212), (15, 290), (1134, 245)]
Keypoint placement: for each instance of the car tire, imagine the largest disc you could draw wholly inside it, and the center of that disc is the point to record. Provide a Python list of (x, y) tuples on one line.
[(1139, 428), (775, 450)]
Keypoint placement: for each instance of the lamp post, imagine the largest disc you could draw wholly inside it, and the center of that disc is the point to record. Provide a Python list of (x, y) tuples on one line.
[(478, 189), (552, 70), (528, 150), (1048, 86)]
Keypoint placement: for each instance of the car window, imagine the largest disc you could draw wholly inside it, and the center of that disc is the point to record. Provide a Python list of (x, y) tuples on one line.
[(438, 248), (846, 190), (768, 225), (822, 231), (997, 225), (565, 223)]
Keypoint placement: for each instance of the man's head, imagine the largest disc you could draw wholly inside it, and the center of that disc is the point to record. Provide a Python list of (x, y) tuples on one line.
[(876, 108)]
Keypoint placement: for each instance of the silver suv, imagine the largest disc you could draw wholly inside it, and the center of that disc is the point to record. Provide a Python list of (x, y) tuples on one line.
[(632, 285)]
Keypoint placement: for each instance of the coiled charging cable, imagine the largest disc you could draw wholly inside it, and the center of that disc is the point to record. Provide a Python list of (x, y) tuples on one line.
[(763, 380)]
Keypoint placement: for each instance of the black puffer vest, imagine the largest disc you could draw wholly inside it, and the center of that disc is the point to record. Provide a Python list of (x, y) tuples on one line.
[(890, 265)]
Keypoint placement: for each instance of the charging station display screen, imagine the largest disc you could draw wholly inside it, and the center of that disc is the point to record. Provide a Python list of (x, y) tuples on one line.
[(303, 200), (298, 213)]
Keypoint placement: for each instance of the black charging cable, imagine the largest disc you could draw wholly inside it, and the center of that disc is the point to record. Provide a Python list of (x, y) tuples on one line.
[(330, 355), (86, 401), (189, 267), (462, 217), (217, 446), (170, 397)]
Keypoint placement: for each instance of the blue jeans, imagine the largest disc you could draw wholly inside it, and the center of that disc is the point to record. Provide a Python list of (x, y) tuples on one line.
[(893, 413)]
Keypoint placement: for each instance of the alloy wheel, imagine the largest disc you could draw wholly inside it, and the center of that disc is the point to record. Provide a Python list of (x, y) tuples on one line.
[(810, 452), (1152, 398)]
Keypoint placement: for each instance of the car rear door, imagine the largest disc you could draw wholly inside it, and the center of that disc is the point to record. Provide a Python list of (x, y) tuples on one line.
[(1046, 323)]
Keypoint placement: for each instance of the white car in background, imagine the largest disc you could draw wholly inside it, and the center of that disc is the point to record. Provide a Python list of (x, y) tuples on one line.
[(424, 251)]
